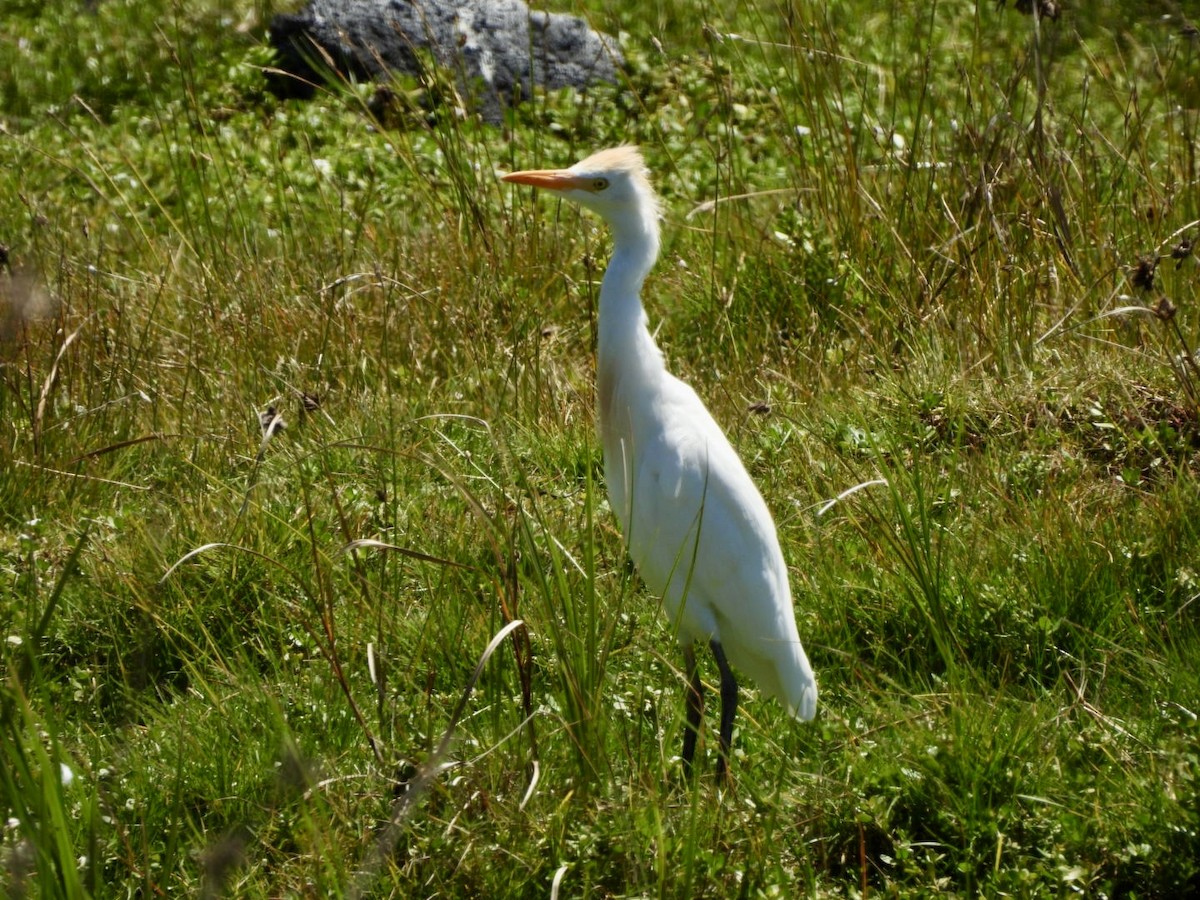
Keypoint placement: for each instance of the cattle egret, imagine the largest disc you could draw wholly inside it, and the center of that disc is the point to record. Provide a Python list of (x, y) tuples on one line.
[(695, 524)]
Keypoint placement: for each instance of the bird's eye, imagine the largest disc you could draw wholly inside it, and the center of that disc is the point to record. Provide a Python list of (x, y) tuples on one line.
[(599, 184)]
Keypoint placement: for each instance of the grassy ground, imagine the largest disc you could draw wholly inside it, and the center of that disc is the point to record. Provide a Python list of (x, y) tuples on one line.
[(925, 257)]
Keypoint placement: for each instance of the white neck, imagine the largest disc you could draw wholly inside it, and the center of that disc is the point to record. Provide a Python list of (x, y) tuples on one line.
[(626, 354), (622, 318)]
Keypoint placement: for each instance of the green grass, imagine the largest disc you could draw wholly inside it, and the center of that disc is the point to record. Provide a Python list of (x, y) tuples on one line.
[(915, 264)]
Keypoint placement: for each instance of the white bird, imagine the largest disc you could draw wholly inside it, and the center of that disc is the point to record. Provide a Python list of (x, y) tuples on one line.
[(694, 522)]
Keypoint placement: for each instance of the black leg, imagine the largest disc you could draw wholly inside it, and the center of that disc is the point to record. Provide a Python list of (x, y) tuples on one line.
[(695, 708), (729, 701)]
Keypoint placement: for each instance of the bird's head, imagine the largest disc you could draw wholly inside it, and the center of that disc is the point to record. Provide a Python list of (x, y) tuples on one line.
[(612, 183)]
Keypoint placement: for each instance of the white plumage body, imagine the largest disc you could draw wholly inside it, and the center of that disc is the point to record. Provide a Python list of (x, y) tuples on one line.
[(697, 527)]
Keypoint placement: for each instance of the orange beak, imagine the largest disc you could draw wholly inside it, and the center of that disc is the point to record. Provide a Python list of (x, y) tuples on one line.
[(554, 179)]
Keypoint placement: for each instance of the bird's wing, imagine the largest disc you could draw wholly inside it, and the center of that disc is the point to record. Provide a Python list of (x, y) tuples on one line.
[(704, 540)]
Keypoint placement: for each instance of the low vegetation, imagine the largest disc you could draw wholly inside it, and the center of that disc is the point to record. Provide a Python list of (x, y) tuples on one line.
[(296, 416)]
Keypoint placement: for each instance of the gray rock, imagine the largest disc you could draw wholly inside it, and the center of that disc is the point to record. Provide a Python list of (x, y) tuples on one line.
[(497, 49)]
